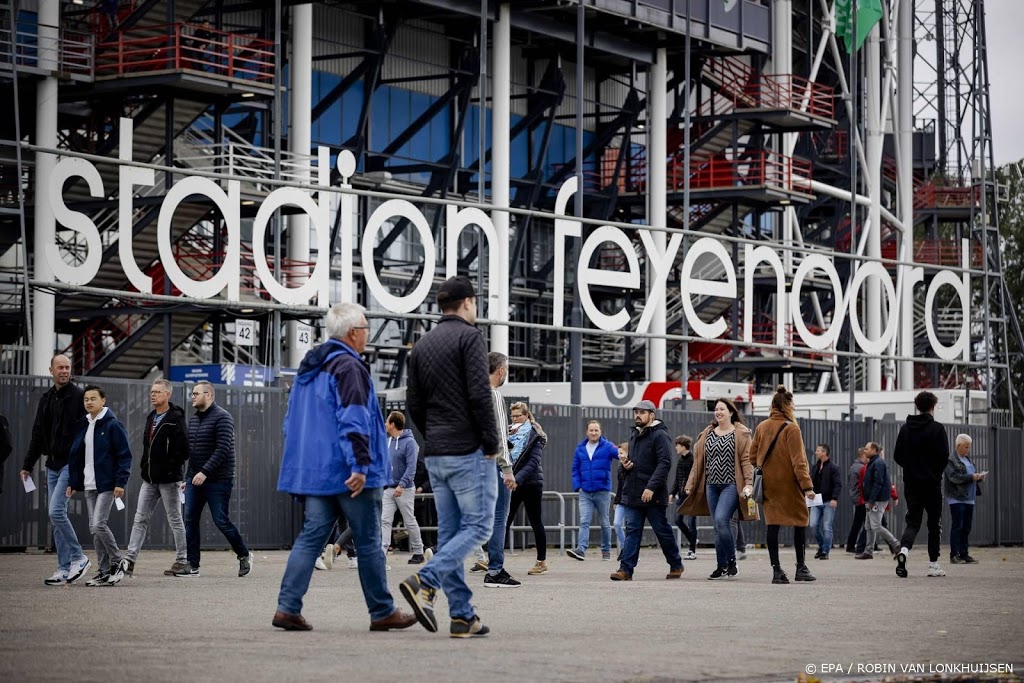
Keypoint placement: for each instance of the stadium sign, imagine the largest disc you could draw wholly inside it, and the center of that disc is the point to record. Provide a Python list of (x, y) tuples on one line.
[(661, 261)]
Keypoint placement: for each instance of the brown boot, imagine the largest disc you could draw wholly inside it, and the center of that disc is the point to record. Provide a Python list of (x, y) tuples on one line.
[(674, 574), (621, 576)]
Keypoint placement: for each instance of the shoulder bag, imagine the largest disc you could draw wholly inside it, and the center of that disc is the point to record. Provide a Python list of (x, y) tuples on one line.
[(758, 495)]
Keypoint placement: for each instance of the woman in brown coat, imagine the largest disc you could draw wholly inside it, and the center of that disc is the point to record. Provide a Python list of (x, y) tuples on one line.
[(720, 480), (787, 481)]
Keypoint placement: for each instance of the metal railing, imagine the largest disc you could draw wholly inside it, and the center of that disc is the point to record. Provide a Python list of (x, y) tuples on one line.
[(23, 48)]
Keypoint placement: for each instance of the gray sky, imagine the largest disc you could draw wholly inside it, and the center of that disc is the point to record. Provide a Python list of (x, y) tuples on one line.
[(1004, 19)]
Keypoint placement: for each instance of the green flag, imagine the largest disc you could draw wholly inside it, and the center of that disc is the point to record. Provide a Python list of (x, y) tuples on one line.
[(869, 13)]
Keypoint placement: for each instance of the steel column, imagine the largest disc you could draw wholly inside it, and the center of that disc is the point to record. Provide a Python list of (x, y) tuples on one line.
[(500, 169), (657, 208)]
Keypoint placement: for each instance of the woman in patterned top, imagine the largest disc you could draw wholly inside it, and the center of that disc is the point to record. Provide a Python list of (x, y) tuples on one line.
[(720, 479)]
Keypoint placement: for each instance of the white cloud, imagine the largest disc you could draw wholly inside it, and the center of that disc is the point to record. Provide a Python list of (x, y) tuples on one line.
[(1004, 20)]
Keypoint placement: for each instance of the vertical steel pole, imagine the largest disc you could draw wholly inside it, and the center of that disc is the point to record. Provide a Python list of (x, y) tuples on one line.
[(575, 338)]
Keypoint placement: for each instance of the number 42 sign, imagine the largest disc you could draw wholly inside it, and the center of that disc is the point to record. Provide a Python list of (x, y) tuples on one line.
[(245, 332)]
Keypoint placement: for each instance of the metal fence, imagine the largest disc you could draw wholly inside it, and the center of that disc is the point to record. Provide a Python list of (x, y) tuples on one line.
[(269, 519)]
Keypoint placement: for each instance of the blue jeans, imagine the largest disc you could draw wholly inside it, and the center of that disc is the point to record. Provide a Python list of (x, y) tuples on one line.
[(591, 502), (620, 533), (723, 501), (363, 513), (465, 495), (64, 536), (218, 495), (633, 520), (821, 522), (496, 546), (961, 518)]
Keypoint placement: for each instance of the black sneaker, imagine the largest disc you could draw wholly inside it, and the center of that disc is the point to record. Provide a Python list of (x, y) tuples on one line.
[(129, 567), (187, 570), (100, 579), (901, 565), (732, 570), (824, 556), (967, 559), (416, 559), (803, 573), (421, 599), (575, 554), (818, 555), (245, 565), (956, 559), (779, 576), (719, 573), (461, 628), (501, 580), (176, 567)]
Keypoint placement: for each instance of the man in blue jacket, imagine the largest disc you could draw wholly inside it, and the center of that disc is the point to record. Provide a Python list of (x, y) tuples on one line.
[(592, 479), (336, 460), (400, 491), (210, 478), (877, 491)]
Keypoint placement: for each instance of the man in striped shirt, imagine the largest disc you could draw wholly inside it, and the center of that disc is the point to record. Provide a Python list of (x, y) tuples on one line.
[(497, 577)]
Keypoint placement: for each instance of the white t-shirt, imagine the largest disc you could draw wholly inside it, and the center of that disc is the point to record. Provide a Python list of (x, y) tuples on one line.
[(90, 456), (591, 447)]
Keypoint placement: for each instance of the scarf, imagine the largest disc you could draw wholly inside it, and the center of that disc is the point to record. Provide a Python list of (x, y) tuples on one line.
[(519, 438)]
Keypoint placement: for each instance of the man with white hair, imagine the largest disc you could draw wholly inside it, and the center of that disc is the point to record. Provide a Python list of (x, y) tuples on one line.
[(336, 460), (962, 484)]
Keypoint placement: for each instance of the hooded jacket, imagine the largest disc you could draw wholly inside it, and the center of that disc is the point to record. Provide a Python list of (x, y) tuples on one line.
[(922, 450), (650, 450), (55, 427), (112, 457), (593, 474), (403, 451), (334, 425), (165, 450)]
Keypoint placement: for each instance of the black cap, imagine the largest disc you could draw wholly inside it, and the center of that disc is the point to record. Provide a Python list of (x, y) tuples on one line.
[(455, 289)]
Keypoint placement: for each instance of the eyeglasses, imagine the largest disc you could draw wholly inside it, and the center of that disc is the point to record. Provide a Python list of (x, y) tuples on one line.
[(361, 327), (199, 393)]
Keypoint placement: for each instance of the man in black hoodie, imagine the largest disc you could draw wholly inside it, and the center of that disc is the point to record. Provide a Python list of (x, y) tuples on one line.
[(922, 450), (645, 492), (164, 454)]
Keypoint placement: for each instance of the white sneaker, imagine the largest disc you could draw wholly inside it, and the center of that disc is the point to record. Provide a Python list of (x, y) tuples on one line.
[(353, 563), (59, 578), (319, 564), (117, 572), (428, 554), (328, 556), (690, 556), (78, 569), (935, 570)]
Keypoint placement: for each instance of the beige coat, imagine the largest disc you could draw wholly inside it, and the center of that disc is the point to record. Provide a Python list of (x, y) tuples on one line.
[(786, 475), (696, 502)]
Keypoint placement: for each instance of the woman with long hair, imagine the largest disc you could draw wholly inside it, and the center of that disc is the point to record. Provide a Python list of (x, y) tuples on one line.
[(786, 479), (526, 447), (720, 481)]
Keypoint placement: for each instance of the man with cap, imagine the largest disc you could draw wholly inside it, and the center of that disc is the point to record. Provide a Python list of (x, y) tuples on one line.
[(645, 492), (449, 399)]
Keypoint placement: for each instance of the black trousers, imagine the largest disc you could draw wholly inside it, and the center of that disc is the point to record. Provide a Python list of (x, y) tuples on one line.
[(855, 528), (529, 497), (799, 541), (922, 499)]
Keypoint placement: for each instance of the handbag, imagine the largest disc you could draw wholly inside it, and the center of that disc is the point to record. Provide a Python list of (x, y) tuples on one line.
[(758, 485)]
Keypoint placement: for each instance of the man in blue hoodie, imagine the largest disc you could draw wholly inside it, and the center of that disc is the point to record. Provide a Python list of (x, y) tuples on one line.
[(336, 460), (400, 491)]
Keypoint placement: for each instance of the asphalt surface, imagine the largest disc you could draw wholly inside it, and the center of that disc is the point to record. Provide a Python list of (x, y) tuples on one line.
[(572, 624)]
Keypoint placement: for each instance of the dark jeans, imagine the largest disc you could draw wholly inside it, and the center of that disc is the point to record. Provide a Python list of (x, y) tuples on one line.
[(218, 495), (919, 501), (799, 540), (862, 537), (633, 521), (856, 530), (737, 532), (530, 497), (687, 524), (962, 517)]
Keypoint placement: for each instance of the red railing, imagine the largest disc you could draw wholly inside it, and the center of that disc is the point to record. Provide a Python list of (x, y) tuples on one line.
[(187, 46), (760, 167), (106, 16), (935, 252), (933, 196)]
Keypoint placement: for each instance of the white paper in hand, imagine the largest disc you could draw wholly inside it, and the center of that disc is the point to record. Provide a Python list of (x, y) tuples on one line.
[(181, 496), (817, 502), (30, 485), (119, 504)]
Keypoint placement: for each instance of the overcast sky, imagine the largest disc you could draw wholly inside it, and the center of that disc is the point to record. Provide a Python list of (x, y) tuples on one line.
[(1004, 21)]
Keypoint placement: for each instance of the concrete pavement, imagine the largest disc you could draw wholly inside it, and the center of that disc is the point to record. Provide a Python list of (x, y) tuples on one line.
[(572, 624)]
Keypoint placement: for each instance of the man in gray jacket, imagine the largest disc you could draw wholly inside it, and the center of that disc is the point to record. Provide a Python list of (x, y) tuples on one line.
[(400, 492)]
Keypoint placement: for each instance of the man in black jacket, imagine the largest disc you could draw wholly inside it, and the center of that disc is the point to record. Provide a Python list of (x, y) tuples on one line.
[(210, 477), (59, 417), (449, 400), (829, 484), (164, 454), (922, 450), (645, 492)]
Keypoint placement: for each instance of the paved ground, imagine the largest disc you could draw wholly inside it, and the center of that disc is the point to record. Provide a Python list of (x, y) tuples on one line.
[(572, 624)]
